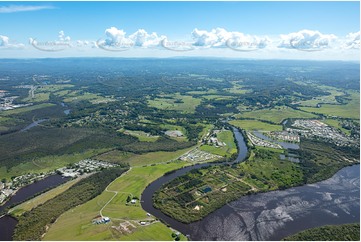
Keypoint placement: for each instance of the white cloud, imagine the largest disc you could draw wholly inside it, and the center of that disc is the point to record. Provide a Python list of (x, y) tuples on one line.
[(143, 39), (4, 40), (117, 37), (62, 37), (307, 40), (6, 43), (220, 37), (21, 8), (352, 41), (114, 35)]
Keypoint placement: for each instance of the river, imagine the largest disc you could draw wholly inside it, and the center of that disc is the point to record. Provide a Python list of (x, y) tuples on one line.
[(271, 215), (7, 223)]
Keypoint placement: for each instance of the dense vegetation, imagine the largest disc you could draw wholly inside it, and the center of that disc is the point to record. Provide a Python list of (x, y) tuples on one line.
[(344, 232), (32, 224)]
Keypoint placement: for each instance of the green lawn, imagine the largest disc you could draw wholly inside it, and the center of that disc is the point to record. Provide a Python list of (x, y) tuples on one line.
[(228, 150), (349, 110), (140, 160), (276, 114), (255, 125), (187, 104), (75, 224)]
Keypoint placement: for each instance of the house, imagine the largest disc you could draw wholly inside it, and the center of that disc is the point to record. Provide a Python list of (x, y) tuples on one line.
[(142, 223), (133, 201)]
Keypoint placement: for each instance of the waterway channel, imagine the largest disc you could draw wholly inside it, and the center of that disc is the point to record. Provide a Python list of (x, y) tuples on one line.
[(8, 223)]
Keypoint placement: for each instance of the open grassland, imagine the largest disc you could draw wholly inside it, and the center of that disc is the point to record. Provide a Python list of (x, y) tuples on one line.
[(329, 99), (141, 160), (209, 91), (226, 151), (38, 97), (77, 96), (255, 125), (217, 97), (42, 198), (349, 110), (26, 109), (276, 115), (237, 89), (76, 224), (141, 135), (177, 102)]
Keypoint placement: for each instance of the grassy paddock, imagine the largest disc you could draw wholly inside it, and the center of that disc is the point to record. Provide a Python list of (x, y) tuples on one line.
[(255, 125), (141, 160), (349, 110), (277, 114), (187, 104)]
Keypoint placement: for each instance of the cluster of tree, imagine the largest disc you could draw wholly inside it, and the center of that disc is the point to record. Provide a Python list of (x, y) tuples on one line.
[(32, 224), (162, 144), (344, 232)]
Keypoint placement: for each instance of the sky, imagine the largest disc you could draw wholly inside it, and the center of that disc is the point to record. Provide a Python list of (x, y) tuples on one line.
[(261, 30)]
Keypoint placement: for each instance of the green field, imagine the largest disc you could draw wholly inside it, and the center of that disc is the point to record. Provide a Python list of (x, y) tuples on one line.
[(26, 109), (237, 89), (330, 99), (276, 115), (177, 102), (349, 110), (141, 160), (228, 150), (76, 224), (38, 97), (255, 125), (79, 96), (141, 135)]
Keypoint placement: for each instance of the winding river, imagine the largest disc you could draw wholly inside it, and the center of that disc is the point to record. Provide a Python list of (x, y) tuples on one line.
[(8, 223), (271, 215)]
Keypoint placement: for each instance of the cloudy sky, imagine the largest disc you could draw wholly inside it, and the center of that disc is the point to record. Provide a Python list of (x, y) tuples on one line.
[(262, 30)]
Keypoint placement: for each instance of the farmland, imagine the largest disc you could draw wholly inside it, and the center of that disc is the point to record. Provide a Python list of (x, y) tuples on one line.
[(255, 125), (276, 114)]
